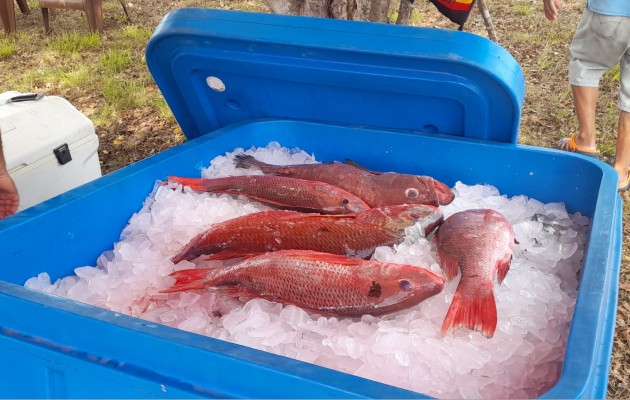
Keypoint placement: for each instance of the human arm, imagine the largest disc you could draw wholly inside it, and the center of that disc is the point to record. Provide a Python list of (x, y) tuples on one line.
[(551, 8), (9, 199)]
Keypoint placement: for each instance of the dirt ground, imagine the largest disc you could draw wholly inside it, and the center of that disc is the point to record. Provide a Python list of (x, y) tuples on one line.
[(144, 132)]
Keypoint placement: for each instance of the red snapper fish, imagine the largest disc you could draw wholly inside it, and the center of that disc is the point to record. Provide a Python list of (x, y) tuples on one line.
[(352, 235), (375, 188), (293, 193), (319, 282), (479, 242)]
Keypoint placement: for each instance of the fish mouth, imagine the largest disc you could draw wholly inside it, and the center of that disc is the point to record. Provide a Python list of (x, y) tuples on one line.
[(444, 194)]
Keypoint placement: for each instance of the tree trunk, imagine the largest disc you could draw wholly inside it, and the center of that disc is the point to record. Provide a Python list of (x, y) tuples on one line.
[(359, 10), (404, 12), (290, 7), (487, 19), (379, 10), (340, 9), (315, 8)]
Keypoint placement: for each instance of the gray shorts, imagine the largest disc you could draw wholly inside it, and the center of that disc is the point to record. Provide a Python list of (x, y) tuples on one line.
[(601, 42)]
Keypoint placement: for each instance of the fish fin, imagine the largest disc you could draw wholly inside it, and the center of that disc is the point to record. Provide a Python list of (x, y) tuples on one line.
[(292, 214), (502, 269), (449, 264), (228, 254), (233, 291), (279, 214), (251, 196), (324, 257), (246, 161), (188, 279), (327, 216), (355, 164), (477, 311), (238, 291), (196, 184)]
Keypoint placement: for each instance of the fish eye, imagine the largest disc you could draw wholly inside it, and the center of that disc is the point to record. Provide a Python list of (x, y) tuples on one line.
[(405, 285), (412, 193), (415, 216), (345, 201)]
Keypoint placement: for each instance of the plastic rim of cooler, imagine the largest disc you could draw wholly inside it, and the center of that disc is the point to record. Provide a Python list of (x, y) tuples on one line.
[(69, 349)]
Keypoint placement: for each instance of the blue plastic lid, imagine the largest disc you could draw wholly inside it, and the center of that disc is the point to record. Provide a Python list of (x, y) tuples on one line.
[(216, 68)]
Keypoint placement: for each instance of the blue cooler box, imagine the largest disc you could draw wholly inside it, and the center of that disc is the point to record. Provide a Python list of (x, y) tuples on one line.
[(392, 98)]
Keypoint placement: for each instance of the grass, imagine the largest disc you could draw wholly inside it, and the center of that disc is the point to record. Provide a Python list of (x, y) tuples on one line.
[(8, 47), (114, 61), (523, 9), (134, 35), (76, 62), (74, 43), (121, 94)]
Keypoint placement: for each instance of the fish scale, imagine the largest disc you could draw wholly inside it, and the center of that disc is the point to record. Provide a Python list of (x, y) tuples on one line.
[(279, 191), (479, 242), (375, 188), (355, 235), (319, 282)]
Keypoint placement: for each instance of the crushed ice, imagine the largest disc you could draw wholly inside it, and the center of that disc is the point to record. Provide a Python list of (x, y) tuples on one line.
[(523, 359)]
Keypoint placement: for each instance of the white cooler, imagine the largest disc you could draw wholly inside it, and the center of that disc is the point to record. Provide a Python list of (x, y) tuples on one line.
[(49, 146)]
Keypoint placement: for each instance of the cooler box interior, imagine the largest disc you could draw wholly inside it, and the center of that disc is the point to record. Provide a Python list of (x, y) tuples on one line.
[(410, 100)]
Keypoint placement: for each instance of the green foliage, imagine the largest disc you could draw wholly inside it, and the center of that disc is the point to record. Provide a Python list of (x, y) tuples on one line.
[(613, 75), (79, 76), (132, 35), (8, 47), (106, 114), (74, 42), (523, 9), (416, 17), (159, 104), (123, 94), (114, 61)]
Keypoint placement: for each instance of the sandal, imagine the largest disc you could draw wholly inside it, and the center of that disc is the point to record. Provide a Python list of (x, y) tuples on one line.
[(568, 144), (624, 186)]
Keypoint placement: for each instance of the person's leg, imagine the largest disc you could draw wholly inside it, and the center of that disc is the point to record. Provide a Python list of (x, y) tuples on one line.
[(585, 102), (598, 44), (622, 155), (622, 152)]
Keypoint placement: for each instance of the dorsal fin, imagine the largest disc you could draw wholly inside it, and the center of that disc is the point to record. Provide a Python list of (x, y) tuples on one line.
[(323, 257), (359, 166)]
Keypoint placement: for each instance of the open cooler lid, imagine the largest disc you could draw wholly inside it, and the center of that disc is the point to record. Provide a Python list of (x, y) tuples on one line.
[(217, 68)]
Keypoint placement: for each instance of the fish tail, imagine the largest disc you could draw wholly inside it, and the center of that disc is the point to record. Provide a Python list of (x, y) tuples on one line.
[(246, 161), (197, 184), (188, 279), (477, 311), (186, 253)]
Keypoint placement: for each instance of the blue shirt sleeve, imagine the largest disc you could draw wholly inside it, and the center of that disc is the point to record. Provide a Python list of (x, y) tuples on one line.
[(619, 8)]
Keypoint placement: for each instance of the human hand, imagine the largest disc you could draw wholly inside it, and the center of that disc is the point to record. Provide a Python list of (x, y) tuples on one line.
[(551, 8), (9, 199)]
